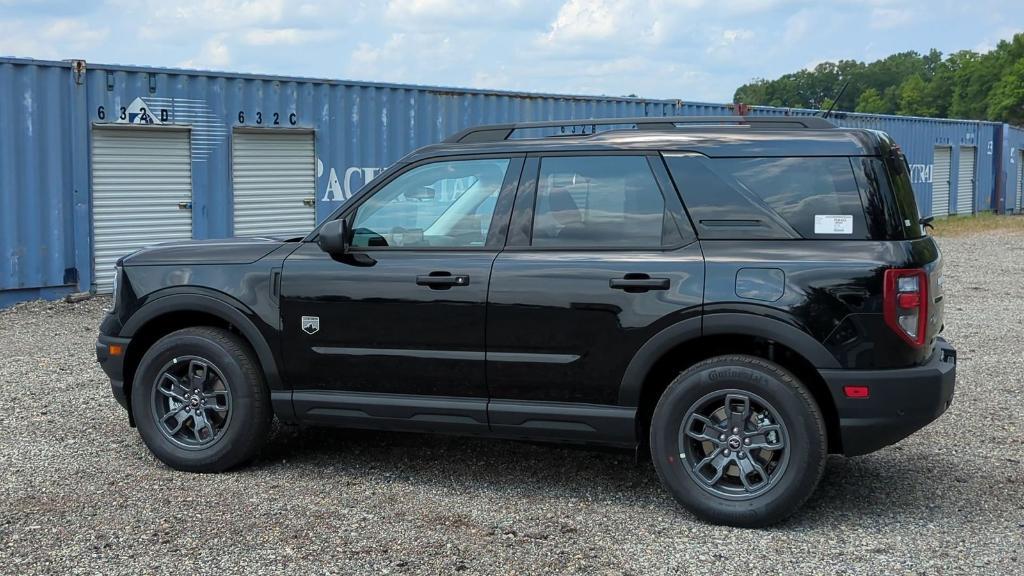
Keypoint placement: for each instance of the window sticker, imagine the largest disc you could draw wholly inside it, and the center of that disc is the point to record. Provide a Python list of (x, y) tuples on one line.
[(833, 224)]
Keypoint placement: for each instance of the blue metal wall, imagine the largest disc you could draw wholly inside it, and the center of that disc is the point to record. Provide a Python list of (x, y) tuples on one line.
[(36, 172), (48, 110), (1013, 143), (359, 128)]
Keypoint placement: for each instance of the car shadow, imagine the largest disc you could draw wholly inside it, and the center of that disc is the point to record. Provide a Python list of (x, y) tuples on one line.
[(893, 482)]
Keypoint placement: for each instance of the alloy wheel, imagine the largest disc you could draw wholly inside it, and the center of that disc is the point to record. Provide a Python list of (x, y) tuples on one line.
[(191, 402), (734, 444)]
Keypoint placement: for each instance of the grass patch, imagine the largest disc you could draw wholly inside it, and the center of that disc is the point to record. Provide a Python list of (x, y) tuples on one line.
[(981, 222)]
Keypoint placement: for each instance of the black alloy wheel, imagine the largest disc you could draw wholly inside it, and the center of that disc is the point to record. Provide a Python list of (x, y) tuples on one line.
[(192, 402), (200, 400), (733, 444), (738, 440)]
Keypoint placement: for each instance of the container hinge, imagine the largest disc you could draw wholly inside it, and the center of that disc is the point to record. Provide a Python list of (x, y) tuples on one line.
[(78, 71)]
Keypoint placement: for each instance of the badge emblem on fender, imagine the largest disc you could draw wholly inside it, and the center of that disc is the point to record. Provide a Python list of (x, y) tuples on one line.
[(310, 324)]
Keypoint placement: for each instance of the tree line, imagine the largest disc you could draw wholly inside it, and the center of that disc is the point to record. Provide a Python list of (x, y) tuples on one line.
[(964, 84)]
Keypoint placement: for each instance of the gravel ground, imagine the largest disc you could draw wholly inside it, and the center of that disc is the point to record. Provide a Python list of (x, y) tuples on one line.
[(79, 492)]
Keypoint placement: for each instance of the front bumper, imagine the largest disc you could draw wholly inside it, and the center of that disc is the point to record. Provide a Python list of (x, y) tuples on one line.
[(113, 365), (901, 401)]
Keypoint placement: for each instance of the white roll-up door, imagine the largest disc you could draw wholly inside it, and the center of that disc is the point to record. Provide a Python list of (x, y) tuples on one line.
[(965, 181), (940, 181), (141, 194), (1020, 179), (274, 183)]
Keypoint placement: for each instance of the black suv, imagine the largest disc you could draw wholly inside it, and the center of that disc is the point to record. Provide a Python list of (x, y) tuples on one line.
[(738, 296)]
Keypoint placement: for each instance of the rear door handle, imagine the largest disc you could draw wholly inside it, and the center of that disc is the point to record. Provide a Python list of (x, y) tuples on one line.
[(442, 280), (638, 282)]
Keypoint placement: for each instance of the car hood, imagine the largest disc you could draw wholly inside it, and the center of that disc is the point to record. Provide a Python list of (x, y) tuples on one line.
[(223, 251)]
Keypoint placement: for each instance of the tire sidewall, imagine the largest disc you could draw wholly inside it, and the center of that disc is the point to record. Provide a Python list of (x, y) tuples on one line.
[(238, 382), (794, 406)]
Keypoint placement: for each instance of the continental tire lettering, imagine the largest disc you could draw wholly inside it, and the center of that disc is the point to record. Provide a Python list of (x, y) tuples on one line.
[(725, 374)]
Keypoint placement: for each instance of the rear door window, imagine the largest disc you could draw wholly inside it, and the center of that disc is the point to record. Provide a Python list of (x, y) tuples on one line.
[(765, 198), (601, 201)]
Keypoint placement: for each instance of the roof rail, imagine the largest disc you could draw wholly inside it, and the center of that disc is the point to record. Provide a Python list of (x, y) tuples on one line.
[(499, 132)]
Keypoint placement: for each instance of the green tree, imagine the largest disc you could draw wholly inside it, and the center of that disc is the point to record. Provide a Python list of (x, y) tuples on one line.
[(913, 98), (1006, 101), (870, 102), (964, 84), (975, 78)]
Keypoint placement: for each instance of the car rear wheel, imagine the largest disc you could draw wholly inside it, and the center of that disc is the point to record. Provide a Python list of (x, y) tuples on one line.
[(200, 401), (738, 440)]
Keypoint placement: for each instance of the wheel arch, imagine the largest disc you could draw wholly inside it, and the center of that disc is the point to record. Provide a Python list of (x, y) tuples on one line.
[(199, 307), (681, 345)]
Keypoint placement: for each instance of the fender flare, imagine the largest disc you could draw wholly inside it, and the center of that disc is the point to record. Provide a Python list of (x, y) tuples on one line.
[(779, 331), (215, 304)]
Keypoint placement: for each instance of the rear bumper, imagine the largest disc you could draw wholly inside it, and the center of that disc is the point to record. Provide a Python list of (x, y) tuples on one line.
[(113, 366), (901, 401)]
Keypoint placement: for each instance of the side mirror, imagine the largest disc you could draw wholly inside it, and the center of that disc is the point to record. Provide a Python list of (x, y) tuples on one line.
[(333, 237)]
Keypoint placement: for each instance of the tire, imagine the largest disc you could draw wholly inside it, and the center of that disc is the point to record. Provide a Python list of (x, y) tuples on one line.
[(784, 434), (223, 425)]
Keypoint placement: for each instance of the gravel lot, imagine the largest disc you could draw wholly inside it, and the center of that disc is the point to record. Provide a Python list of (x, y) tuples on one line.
[(79, 492)]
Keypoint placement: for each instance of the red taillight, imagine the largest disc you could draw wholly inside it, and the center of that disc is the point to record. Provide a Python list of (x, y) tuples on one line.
[(906, 303), (911, 300), (856, 391)]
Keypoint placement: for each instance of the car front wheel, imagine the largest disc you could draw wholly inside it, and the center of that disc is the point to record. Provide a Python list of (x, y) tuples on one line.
[(200, 401)]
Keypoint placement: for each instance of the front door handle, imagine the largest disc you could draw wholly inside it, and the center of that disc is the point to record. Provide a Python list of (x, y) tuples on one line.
[(638, 282), (442, 280)]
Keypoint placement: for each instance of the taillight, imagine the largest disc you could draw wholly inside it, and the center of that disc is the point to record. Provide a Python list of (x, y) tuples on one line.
[(906, 303)]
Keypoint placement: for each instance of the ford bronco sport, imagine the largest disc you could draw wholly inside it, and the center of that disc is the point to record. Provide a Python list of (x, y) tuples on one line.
[(736, 296)]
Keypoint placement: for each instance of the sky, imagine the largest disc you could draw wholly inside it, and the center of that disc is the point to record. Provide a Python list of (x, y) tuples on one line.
[(691, 50)]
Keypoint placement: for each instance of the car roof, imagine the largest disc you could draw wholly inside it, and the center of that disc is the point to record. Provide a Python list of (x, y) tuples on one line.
[(714, 141)]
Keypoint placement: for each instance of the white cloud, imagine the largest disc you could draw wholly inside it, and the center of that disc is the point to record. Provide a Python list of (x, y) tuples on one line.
[(797, 27), (888, 18), (219, 13), (214, 54), (78, 33), (588, 20), (284, 36), (989, 43), (723, 43), (697, 50), (414, 58), (51, 38), (421, 15)]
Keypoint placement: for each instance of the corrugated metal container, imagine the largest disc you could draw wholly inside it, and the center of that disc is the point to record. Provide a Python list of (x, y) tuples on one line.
[(52, 112), (36, 180), (358, 128), (1013, 168)]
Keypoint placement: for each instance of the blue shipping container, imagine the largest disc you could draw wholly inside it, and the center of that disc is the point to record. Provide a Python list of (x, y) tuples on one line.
[(49, 111)]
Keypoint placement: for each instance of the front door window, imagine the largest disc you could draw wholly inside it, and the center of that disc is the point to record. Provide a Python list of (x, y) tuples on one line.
[(439, 205)]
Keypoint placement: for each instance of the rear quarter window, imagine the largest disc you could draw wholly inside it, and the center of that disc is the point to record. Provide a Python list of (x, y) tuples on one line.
[(763, 198)]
